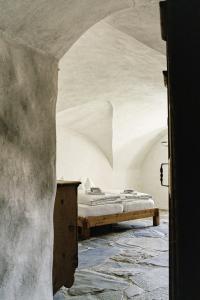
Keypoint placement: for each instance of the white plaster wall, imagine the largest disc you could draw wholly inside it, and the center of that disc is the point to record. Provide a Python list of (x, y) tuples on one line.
[(150, 173), (28, 90), (79, 158), (107, 66), (93, 120), (53, 25), (27, 126), (126, 178)]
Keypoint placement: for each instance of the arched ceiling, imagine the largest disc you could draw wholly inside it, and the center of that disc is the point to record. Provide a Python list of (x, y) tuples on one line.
[(53, 25), (108, 64), (118, 60), (94, 121), (141, 22)]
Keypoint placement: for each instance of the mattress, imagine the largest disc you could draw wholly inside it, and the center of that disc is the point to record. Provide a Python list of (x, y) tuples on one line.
[(99, 210), (136, 205)]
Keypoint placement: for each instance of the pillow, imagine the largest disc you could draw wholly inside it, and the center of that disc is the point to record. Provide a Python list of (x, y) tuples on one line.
[(81, 187), (88, 184)]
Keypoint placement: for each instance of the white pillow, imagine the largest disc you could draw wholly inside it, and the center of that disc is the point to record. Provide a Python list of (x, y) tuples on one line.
[(88, 184), (81, 188)]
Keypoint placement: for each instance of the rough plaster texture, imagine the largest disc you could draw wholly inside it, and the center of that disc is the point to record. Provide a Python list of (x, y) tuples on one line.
[(28, 90), (141, 22), (28, 85), (80, 158), (94, 121), (54, 25), (150, 172)]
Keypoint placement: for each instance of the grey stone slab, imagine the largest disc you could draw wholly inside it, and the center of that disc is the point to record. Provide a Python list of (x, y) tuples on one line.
[(134, 255), (89, 281), (129, 264), (65, 296), (163, 228), (146, 243), (152, 279), (132, 291), (135, 224), (95, 242), (161, 260), (124, 270), (110, 296), (96, 256), (148, 232), (158, 294)]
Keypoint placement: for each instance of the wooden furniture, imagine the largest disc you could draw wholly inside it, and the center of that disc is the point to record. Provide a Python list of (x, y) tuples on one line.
[(85, 223), (65, 258)]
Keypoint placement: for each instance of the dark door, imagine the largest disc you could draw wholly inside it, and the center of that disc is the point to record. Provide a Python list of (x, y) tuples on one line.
[(183, 52)]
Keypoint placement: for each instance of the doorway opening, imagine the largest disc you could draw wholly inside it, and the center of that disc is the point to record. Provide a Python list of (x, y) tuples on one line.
[(112, 135)]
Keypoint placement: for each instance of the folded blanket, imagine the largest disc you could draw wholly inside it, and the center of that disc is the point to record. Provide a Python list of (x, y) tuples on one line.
[(95, 203), (88, 199), (135, 196), (95, 193)]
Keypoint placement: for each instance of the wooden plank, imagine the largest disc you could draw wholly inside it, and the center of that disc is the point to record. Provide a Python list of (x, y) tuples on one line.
[(65, 235), (116, 218)]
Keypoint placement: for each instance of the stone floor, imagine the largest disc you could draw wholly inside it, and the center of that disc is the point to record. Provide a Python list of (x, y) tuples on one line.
[(127, 261)]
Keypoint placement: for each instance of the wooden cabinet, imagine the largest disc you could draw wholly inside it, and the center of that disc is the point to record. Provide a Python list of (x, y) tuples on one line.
[(65, 258)]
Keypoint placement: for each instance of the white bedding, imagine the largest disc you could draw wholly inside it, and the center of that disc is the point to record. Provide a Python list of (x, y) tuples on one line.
[(138, 205), (135, 195), (94, 200), (112, 202), (99, 210), (109, 209)]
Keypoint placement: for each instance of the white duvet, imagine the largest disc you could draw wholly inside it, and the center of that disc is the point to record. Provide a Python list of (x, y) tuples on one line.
[(110, 198), (112, 202), (109, 209)]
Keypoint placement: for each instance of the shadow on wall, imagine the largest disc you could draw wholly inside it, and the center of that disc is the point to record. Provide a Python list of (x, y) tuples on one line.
[(150, 173), (78, 157)]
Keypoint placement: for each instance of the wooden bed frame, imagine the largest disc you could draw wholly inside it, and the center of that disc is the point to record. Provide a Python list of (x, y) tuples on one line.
[(85, 223)]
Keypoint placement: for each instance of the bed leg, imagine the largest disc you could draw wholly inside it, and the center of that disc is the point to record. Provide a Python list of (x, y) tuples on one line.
[(156, 218), (85, 231)]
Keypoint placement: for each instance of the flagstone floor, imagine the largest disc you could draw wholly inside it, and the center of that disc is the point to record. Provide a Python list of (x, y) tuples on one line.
[(127, 261)]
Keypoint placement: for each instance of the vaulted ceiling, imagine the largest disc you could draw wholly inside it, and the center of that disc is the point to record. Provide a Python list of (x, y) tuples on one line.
[(111, 61), (119, 61), (53, 25)]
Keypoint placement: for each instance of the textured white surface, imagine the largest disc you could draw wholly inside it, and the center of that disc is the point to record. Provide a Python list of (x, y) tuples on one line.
[(87, 199), (78, 158), (53, 25), (28, 89), (111, 91), (151, 172), (141, 22), (93, 121), (108, 64), (137, 205), (99, 210), (85, 210)]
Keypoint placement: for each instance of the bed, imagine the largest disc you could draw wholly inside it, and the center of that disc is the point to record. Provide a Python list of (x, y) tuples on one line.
[(113, 207)]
